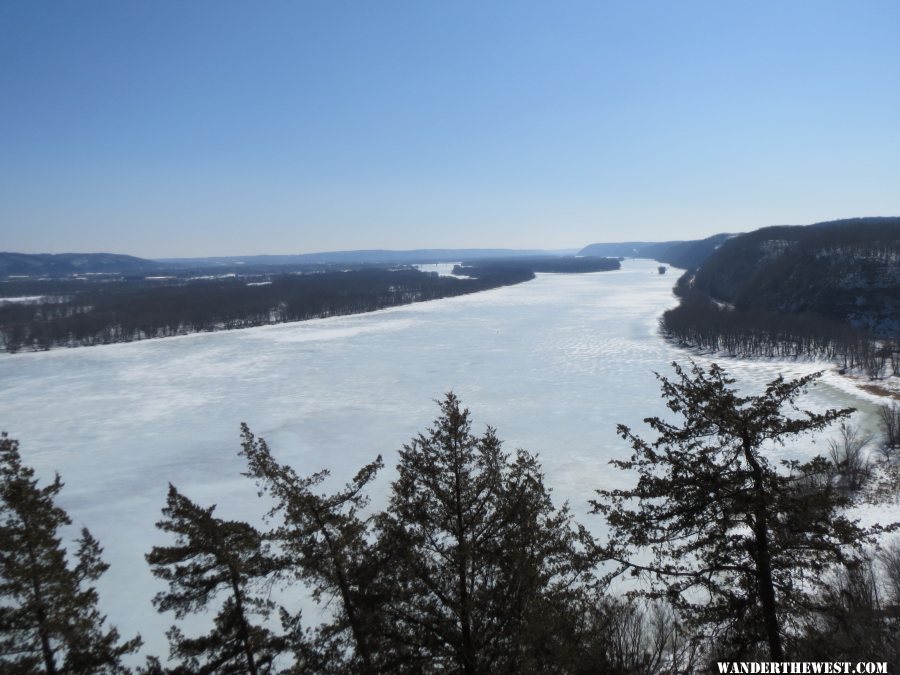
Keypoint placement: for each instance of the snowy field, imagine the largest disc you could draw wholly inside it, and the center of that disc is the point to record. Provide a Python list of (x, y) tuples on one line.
[(554, 364)]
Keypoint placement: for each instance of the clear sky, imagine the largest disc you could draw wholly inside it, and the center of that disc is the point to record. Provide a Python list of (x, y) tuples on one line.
[(187, 128)]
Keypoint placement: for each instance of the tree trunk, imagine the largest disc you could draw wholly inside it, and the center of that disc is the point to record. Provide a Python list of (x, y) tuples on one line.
[(40, 610), (465, 618), (244, 629), (765, 585), (346, 595)]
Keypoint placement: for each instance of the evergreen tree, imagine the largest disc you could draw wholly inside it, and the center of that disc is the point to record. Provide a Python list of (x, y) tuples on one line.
[(739, 545), (482, 574), (49, 620), (324, 543), (213, 556)]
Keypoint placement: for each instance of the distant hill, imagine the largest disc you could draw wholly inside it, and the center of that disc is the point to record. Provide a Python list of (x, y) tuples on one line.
[(68, 264), (847, 270), (375, 256), (65, 264), (684, 254)]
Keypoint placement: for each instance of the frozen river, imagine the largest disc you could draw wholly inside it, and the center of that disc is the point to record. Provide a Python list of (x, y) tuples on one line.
[(554, 364)]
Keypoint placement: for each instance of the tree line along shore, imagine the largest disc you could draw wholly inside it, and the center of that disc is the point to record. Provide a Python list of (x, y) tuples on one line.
[(81, 312)]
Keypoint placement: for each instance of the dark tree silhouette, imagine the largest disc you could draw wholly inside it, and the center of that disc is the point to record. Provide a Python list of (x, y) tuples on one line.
[(324, 543), (484, 573), (49, 620), (737, 544), (213, 556)]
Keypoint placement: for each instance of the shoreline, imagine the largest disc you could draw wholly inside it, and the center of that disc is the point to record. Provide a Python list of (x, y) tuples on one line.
[(888, 387), (4, 352)]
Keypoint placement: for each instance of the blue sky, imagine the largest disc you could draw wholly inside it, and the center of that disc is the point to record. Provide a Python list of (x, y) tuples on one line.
[(171, 128)]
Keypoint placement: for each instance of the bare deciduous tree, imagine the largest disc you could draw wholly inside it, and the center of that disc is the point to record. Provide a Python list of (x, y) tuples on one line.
[(848, 453)]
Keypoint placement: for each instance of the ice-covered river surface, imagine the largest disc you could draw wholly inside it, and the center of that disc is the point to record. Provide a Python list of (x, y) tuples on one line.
[(554, 364)]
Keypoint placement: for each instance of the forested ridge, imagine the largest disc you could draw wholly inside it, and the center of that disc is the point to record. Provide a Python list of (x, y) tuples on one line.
[(830, 290), (683, 254), (63, 264), (470, 567), (359, 257), (77, 313), (544, 264)]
